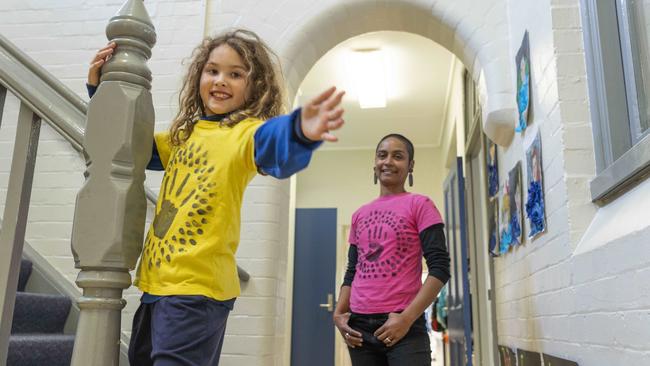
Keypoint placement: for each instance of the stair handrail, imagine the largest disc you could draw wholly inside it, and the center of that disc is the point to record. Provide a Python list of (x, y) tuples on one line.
[(55, 103)]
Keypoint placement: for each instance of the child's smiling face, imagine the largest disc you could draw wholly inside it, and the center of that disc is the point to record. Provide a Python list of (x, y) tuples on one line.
[(224, 81)]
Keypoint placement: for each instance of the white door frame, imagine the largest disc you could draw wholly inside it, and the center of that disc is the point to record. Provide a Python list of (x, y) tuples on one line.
[(482, 269)]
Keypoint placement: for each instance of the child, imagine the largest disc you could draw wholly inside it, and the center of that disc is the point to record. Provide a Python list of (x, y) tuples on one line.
[(215, 146), (382, 299)]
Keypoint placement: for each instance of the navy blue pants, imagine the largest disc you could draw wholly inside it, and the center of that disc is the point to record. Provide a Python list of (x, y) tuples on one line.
[(179, 330), (412, 350)]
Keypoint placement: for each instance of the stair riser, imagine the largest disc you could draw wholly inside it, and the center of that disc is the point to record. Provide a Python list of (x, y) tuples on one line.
[(44, 350), (38, 313)]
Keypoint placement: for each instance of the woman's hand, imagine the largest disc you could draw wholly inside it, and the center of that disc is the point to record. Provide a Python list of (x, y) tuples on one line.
[(322, 115), (394, 329), (352, 337), (97, 62)]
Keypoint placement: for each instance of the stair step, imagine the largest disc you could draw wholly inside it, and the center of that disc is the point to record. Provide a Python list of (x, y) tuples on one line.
[(25, 271), (39, 313), (40, 349)]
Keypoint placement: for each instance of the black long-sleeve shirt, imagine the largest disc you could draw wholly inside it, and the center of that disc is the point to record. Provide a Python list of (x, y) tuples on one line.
[(434, 250)]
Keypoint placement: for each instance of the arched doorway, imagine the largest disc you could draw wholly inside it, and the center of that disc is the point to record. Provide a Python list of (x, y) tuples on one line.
[(475, 32), (415, 77)]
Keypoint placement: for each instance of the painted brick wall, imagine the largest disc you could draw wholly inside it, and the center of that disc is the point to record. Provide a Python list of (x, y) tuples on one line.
[(562, 294), (535, 269)]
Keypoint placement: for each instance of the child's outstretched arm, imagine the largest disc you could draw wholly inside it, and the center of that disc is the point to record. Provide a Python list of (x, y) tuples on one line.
[(284, 144)]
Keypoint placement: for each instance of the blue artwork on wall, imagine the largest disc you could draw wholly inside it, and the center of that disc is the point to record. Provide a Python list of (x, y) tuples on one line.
[(535, 202), (523, 84), (511, 214)]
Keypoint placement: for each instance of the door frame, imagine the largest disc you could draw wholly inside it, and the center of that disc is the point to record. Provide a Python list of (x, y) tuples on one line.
[(482, 273), (342, 355), (288, 301), (459, 306)]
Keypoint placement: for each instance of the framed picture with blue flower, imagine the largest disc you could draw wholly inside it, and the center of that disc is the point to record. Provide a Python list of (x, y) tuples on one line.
[(523, 84), (510, 215), (535, 210), (492, 169)]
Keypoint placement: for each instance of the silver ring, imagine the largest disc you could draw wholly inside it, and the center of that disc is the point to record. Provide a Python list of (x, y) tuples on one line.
[(388, 340), (347, 335)]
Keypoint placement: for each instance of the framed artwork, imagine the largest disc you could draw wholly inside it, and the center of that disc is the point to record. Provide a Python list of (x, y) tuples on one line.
[(523, 84), (510, 214), (514, 180), (492, 169), (535, 210), (505, 237)]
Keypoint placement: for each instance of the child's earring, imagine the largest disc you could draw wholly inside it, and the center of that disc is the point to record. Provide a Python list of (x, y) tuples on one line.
[(410, 179)]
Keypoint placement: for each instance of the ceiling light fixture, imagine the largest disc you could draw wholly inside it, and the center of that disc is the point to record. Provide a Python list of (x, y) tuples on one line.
[(368, 70)]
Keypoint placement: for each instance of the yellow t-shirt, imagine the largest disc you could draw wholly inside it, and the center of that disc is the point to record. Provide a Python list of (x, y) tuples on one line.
[(191, 244)]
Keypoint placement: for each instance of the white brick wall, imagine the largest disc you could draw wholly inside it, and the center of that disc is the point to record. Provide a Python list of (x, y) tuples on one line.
[(533, 281), (585, 306)]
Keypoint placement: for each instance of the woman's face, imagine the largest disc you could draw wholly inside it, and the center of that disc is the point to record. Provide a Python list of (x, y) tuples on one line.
[(392, 162)]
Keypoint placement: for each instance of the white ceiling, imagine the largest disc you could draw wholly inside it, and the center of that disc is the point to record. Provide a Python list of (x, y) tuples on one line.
[(417, 83)]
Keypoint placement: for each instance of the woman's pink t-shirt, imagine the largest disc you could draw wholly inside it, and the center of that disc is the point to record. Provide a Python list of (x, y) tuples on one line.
[(389, 266)]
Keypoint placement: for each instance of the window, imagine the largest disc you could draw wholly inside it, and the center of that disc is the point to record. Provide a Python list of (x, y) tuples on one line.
[(617, 40)]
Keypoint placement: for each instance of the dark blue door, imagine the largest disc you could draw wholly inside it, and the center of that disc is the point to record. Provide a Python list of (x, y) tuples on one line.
[(459, 303), (312, 330)]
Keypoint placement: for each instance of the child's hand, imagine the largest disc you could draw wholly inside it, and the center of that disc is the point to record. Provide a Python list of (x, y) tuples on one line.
[(322, 115), (96, 64)]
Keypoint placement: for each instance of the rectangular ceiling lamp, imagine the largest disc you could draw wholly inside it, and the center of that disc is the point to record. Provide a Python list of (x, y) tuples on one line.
[(368, 69)]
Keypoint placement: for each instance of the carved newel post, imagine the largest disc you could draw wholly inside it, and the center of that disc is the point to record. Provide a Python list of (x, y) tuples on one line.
[(111, 207)]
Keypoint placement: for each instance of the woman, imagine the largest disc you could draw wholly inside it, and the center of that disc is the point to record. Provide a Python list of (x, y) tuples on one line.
[(382, 299)]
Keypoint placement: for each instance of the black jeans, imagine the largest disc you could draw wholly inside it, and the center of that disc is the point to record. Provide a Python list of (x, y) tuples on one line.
[(412, 350)]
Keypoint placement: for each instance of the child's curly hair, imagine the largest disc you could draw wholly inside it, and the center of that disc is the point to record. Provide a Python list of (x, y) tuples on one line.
[(265, 98)]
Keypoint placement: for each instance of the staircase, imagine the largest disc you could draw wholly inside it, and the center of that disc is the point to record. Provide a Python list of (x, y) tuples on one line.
[(37, 336)]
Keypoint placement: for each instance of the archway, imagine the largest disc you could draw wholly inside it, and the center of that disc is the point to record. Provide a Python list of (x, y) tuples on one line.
[(475, 32)]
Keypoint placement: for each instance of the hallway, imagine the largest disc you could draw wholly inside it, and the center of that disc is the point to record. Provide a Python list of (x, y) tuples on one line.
[(530, 121)]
